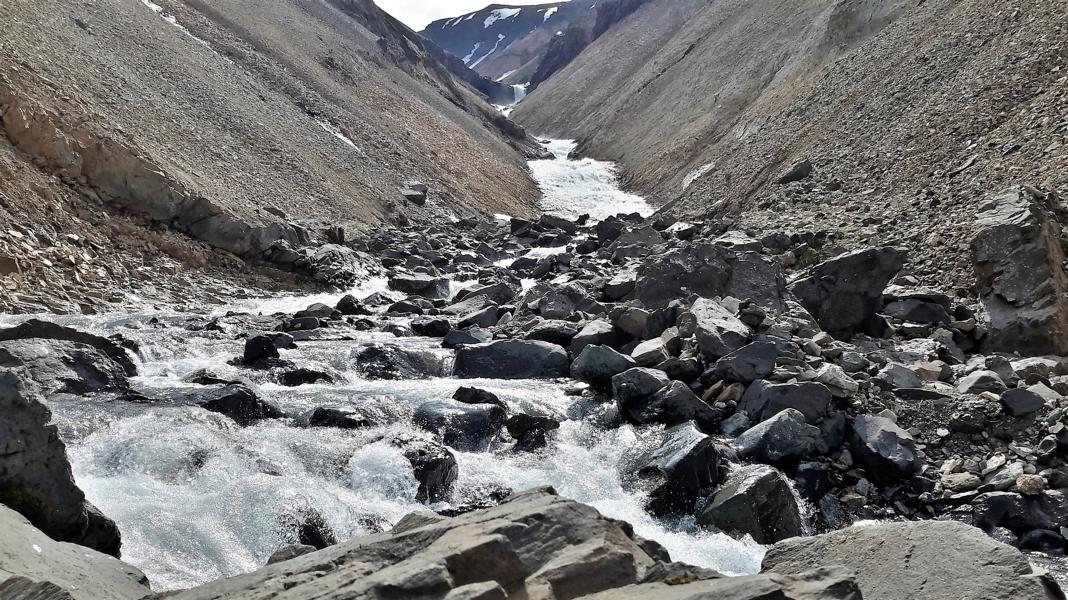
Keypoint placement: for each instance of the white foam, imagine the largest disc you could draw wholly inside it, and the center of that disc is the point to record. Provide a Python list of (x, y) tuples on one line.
[(571, 188)]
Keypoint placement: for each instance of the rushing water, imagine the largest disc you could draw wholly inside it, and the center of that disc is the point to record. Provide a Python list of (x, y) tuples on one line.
[(198, 498)]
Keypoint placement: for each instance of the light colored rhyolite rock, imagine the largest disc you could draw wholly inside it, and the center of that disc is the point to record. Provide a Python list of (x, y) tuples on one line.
[(32, 559), (921, 560)]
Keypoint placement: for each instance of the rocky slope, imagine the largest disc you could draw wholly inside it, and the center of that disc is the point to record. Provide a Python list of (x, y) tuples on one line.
[(235, 126), (906, 112), (741, 380)]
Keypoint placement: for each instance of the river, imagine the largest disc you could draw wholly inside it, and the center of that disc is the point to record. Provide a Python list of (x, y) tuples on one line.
[(197, 497)]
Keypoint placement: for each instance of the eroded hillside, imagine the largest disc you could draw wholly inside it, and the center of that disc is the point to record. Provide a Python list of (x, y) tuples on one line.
[(909, 113), (235, 124)]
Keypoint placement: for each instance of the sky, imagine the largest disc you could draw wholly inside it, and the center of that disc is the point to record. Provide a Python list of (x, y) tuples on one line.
[(418, 13)]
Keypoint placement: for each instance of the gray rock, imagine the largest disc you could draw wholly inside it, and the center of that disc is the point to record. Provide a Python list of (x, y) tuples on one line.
[(465, 427), (718, 331), (827, 583), (887, 451), (598, 364), (755, 500), (638, 384), (432, 327), (650, 353), (679, 464), (433, 465), (292, 551), (555, 332), (785, 436), (597, 332), (35, 476), (897, 376), (642, 324), (845, 294), (762, 400), (710, 271), (918, 560), (30, 560), (1018, 256), (340, 418), (796, 172), (237, 401), (467, 337), (257, 348), (979, 382), (419, 284), (512, 359), (471, 395), (61, 366), (749, 363), (535, 543), (1020, 402), (393, 361)]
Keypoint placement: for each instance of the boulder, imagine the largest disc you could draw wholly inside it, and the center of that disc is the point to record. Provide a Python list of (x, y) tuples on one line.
[(650, 353), (419, 284), (465, 427), (596, 332), (535, 544), (1018, 257), (340, 418), (783, 437), (299, 376), (257, 348), (918, 560), (348, 305), (555, 332), (35, 476), (471, 395), (392, 361), (457, 338), (763, 400), (597, 365), (530, 431), (749, 363), (755, 500), (845, 294), (306, 526), (826, 583), (887, 451), (61, 366), (511, 359), (979, 382), (33, 566), (433, 465), (717, 330), (710, 271), (647, 396), (46, 330), (431, 327), (678, 465), (1019, 402), (237, 401)]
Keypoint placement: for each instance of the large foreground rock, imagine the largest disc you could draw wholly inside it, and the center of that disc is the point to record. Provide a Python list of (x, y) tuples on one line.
[(512, 359), (29, 559), (845, 293), (534, 545), (35, 476), (674, 469), (920, 560), (755, 500), (1018, 257), (831, 583), (65, 360)]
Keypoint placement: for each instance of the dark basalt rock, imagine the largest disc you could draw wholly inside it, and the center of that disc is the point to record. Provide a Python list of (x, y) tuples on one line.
[(434, 467), (755, 500), (466, 427), (238, 402), (674, 471)]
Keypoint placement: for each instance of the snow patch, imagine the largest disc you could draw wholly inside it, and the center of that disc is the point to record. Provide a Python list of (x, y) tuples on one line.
[(549, 13), (335, 131), (468, 58), (501, 14), (166, 16), (696, 174), (500, 38), (506, 75)]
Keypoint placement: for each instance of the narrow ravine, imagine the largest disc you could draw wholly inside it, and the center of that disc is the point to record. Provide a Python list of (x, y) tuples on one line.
[(197, 497)]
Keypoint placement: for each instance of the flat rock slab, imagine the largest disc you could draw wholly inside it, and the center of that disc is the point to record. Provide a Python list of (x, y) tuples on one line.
[(922, 560), (85, 574)]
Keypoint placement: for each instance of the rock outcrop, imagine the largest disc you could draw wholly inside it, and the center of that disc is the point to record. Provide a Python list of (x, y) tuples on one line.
[(35, 476), (1019, 259), (33, 566), (931, 560)]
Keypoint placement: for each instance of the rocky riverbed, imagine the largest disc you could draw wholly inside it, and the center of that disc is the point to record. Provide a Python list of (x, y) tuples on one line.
[(760, 404)]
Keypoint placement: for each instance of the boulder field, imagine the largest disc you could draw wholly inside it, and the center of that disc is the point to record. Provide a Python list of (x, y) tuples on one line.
[(877, 436)]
